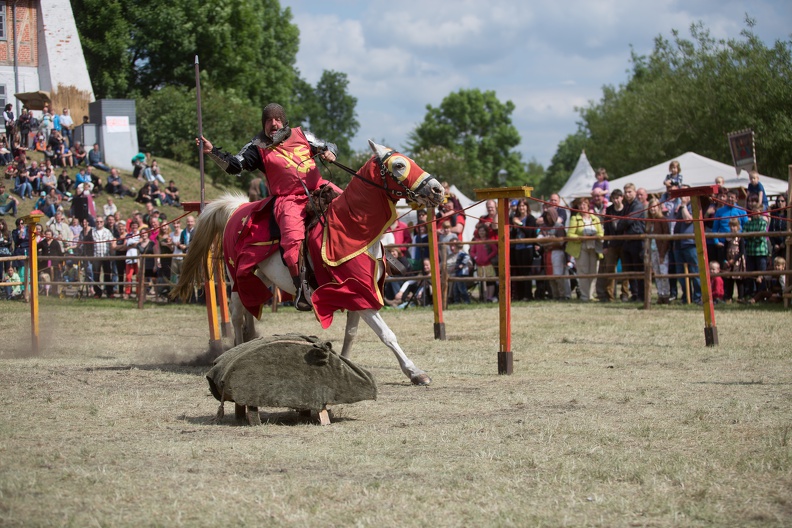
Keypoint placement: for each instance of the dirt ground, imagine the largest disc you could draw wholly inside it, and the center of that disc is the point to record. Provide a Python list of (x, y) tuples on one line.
[(614, 416)]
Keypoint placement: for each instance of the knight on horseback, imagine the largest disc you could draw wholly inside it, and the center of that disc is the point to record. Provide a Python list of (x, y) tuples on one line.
[(286, 157)]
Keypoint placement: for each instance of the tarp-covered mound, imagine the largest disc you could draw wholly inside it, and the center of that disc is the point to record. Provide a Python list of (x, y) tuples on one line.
[(291, 370)]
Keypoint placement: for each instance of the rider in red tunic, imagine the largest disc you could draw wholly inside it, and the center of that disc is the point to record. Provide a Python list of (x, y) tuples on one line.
[(285, 156)]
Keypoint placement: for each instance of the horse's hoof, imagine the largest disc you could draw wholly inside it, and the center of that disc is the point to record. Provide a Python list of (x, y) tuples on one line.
[(421, 380)]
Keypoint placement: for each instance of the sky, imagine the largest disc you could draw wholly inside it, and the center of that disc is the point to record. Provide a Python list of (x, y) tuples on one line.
[(547, 58)]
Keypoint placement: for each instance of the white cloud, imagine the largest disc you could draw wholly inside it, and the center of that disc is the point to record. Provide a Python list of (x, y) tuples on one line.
[(548, 58)]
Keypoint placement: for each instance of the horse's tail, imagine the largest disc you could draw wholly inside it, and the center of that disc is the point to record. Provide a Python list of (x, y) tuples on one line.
[(208, 232)]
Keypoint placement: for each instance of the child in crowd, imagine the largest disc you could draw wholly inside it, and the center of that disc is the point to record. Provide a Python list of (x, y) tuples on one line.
[(602, 183), (716, 283), (13, 292), (483, 255), (755, 187), (735, 261), (459, 265), (674, 173), (774, 290)]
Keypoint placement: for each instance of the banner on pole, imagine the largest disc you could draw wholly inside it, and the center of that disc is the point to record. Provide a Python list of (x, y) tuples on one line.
[(743, 152)]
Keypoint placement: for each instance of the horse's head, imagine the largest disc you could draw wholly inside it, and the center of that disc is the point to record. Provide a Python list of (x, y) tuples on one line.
[(403, 178)]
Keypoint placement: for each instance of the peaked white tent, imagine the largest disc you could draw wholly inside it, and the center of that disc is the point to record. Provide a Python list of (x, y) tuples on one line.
[(697, 171), (580, 181)]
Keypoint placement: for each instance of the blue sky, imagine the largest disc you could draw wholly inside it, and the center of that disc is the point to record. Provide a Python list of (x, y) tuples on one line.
[(546, 57)]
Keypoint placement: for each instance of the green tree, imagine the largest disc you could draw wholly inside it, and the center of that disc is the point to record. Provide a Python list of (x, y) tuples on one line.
[(687, 95), (148, 44), (333, 114), (106, 31), (476, 127)]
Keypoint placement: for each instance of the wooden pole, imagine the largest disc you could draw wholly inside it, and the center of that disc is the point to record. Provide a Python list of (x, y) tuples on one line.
[(222, 299), (696, 194), (437, 293), (215, 342), (32, 280), (505, 357), (504, 195), (787, 293)]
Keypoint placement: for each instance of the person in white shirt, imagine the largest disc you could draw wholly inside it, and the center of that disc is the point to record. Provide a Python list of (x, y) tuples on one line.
[(67, 125)]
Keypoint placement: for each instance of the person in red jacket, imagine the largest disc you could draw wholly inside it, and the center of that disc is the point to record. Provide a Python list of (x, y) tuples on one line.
[(716, 283), (286, 157)]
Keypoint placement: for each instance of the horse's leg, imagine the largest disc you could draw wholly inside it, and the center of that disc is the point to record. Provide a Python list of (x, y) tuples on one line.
[(386, 335), (237, 318), (350, 333)]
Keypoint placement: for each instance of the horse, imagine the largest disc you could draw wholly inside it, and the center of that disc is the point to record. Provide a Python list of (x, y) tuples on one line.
[(343, 248)]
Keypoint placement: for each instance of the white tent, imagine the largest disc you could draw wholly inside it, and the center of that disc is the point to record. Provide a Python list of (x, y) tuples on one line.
[(580, 181), (697, 171)]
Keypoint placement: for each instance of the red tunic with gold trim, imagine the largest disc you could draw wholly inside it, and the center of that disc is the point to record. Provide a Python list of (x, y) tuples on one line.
[(345, 271)]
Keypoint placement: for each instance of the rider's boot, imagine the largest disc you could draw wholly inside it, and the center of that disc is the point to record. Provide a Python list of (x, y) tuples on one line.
[(301, 301)]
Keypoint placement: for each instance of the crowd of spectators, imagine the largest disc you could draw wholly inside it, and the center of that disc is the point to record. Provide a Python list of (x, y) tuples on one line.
[(565, 241), (66, 186)]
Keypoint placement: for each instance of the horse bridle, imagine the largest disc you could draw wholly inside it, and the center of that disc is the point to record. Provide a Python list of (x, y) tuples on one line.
[(384, 173)]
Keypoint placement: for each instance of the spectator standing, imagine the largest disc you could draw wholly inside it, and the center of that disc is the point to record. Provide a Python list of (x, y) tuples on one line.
[(46, 122), (523, 225), (6, 244), (102, 238), (778, 222), (23, 124), (685, 249), (131, 243), (164, 264), (50, 247), (10, 122), (459, 265), (757, 249), (659, 249), (587, 253), (720, 224), (60, 228), (67, 125), (484, 255), (598, 204), (612, 249), (186, 234), (632, 250), (177, 251), (552, 226)]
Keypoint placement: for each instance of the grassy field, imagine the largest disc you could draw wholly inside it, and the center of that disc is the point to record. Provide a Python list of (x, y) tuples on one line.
[(613, 417), (187, 179)]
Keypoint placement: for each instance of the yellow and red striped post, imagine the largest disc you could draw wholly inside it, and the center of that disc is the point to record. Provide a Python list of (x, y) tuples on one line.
[(504, 195), (210, 292), (32, 273)]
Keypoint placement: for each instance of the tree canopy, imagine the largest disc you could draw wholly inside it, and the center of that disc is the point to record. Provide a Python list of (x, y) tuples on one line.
[(687, 95), (475, 127), (145, 50)]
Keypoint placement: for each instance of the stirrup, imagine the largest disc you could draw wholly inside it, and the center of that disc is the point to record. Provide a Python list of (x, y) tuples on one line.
[(301, 301)]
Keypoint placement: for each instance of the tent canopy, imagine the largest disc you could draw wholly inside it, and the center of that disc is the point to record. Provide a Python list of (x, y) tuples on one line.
[(580, 181), (697, 171), (34, 100)]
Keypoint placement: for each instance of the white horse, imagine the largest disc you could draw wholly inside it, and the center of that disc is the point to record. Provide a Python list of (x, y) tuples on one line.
[(366, 208)]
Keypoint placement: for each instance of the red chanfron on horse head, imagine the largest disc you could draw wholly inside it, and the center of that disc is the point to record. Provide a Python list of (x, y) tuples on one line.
[(403, 178)]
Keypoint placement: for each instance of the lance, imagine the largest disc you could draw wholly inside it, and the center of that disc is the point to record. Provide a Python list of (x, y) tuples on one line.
[(200, 129)]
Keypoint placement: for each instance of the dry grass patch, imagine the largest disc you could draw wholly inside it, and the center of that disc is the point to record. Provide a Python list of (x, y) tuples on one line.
[(613, 417)]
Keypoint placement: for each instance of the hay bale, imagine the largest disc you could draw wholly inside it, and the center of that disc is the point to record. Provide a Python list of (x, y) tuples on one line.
[(291, 370)]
